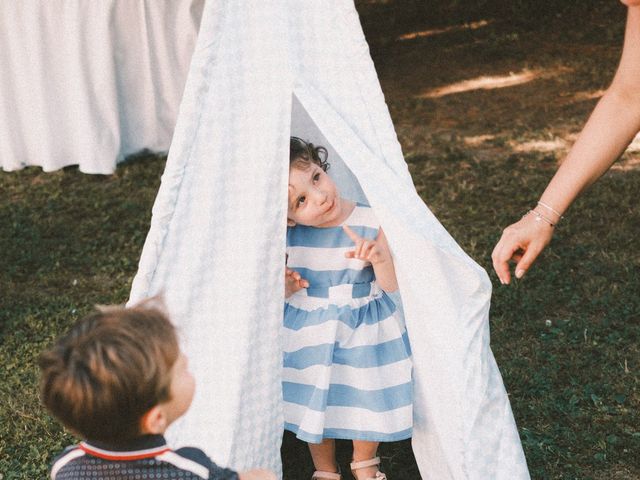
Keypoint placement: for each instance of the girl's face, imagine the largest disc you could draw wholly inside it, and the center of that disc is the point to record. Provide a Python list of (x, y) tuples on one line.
[(314, 199)]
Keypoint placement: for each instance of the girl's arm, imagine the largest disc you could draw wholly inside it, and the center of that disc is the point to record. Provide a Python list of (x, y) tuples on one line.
[(379, 254), (611, 127)]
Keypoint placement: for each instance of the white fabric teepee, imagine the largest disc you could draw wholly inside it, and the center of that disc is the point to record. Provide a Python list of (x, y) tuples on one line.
[(217, 239)]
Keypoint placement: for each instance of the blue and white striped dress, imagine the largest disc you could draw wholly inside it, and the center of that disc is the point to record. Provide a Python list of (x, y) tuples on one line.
[(347, 361)]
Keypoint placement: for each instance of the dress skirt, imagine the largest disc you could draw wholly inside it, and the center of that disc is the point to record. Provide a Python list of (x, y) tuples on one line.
[(347, 360)]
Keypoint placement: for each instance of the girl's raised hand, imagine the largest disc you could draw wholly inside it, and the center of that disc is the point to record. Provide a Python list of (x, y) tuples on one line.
[(375, 251), (293, 282)]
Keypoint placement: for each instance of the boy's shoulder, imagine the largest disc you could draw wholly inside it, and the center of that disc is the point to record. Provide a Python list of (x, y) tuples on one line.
[(76, 461), (199, 457), (68, 455)]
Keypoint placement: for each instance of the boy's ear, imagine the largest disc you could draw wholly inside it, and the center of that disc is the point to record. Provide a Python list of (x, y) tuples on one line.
[(290, 223), (154, 421)]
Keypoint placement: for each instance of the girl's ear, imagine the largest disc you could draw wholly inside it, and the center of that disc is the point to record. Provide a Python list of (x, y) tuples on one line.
[(290, 223), (154, 421)]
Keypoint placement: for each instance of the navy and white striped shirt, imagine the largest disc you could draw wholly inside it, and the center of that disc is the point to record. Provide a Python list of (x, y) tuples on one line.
[(146, 457)]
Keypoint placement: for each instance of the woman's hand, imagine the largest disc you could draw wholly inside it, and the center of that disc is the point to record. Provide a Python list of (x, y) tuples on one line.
[(521, 242), (293, 282), (379, 254)]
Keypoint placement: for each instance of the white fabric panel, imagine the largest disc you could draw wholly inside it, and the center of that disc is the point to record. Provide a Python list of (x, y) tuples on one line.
[(89, 82), (216, 246), (216, 243)]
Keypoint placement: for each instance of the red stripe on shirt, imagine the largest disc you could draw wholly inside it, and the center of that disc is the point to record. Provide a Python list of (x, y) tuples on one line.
[(124, 456)]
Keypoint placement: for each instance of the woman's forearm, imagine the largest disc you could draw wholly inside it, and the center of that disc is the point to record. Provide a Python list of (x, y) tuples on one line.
[(609, 130)]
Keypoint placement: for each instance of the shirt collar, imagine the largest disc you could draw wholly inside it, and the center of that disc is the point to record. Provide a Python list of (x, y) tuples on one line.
[(145, 446)]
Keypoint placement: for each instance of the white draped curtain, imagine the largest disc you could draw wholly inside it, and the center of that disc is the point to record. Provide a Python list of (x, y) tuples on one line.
[(89, 82)]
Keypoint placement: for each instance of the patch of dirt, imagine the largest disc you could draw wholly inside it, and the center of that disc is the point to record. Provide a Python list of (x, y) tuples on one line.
[(492, 84)]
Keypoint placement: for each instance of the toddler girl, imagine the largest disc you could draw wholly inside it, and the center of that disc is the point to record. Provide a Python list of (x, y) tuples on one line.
[(347, 365)]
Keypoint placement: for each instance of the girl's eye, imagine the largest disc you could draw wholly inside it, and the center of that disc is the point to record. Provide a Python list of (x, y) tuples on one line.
[(301, 201), (316, 177)]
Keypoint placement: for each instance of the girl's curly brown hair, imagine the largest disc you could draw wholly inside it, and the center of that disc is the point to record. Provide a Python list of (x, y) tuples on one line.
[(302, 154)]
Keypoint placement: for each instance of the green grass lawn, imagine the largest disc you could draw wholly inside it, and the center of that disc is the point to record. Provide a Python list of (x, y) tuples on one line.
[(69, 241)]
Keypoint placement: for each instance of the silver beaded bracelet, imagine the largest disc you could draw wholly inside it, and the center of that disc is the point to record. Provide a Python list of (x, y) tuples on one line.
[(560, 217), (540, 217)]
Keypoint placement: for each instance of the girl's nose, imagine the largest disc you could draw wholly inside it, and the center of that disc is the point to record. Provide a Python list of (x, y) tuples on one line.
[(321, 197)]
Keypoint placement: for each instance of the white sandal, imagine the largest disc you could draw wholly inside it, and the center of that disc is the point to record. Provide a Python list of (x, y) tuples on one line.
[(368, 463), (320, 475)]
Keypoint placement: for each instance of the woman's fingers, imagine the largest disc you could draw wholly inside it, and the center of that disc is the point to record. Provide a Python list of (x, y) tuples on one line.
[(508, 248), (525, 262), (521, 242), (500, 257)]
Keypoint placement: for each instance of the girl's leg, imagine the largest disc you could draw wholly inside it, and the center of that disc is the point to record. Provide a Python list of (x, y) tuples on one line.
[(324, 455), (365, 451)]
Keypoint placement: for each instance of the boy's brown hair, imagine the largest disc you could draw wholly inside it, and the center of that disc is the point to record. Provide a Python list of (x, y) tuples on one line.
[(111, 368)]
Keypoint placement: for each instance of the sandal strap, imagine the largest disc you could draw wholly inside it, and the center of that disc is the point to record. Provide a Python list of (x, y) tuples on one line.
[(365, 463), (320, 475), (379, 476)]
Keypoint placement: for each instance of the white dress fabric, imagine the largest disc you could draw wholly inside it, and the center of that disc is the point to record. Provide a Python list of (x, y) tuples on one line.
[(89, 82), (216, 245), (347, 359)]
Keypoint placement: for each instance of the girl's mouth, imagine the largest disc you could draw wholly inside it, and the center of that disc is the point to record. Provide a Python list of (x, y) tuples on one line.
[(333, 204)]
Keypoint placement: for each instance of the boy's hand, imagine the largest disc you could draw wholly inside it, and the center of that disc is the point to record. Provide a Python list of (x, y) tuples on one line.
[(293, 282), (375, 251), (257, 474)]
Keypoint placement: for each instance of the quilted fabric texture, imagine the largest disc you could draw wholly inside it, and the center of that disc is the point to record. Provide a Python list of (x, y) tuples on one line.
[(217, 240)]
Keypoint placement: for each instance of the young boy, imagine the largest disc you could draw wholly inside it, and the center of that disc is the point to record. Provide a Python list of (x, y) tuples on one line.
[(118, 380)]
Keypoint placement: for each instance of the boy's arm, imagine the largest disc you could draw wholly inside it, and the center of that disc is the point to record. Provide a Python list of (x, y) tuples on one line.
[(257, 474), (215, 472), (219, 473)]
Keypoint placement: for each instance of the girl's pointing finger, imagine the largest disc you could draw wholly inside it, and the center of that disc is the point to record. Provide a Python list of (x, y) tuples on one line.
[(352, 235)]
